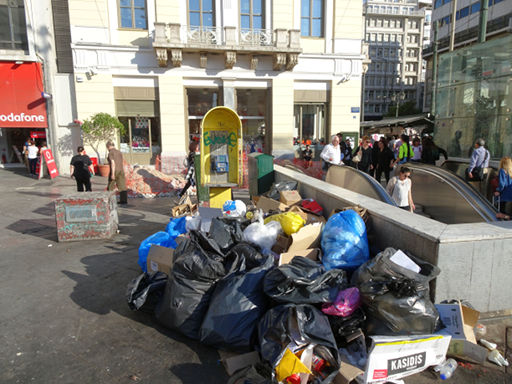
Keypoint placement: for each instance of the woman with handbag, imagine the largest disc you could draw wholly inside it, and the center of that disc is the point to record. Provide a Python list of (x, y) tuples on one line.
[(363, 156)]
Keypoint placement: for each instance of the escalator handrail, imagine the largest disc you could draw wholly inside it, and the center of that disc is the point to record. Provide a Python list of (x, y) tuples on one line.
[(377, 187), (473, 197)]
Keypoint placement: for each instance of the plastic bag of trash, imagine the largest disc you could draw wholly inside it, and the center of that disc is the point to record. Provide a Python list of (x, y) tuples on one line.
[(227, 231), (344, 327), (160, 238), (295, 327), (344, 241), (346, 302), (276, 188), (290, 222), (176, 227), (145, 291), (237, 303), (198, 265), (262, 235), (396, 299), (193, 223), (303, 281), (234, 208)]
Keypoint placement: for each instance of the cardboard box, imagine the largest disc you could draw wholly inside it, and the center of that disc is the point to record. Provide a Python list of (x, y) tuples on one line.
[(187, 208), (347, 373), (460, 321), (267, 205), (396, 357), (313, 254), (290, 197), (308, 217), (237, 362), (307, 237), (160, 259), (281, 245)]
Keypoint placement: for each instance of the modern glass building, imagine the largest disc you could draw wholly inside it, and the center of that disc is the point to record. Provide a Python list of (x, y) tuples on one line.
[(474, 98)]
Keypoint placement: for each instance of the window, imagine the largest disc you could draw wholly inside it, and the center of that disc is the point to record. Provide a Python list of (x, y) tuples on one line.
[(386, 23), (201, 13), (251, 106), (312, 18), (13, 28), (200, 101), (251, 14), (475, 7), (462, 13), (379, 22), (311, 122), (392, 23), (132, 14)]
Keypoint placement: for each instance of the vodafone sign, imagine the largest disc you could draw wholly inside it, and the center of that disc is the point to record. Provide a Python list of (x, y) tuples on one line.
[(21, 103)]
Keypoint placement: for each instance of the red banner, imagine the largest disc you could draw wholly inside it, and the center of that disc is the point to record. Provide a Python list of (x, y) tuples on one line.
[(50, 162), (21, 102)]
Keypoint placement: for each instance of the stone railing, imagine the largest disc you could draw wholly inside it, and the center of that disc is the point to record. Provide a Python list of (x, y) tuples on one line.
[(173, 39)]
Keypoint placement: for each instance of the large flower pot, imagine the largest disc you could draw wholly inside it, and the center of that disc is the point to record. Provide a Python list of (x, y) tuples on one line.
[(104, 169)]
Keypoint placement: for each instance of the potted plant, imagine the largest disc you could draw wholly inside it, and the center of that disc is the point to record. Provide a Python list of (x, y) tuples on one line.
[(97, 130)]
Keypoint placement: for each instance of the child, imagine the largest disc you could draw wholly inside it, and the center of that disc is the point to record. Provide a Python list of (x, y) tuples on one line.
[(399, 187), (307, 154)]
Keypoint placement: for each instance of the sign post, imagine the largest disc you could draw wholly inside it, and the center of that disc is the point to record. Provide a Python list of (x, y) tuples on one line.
[(50, 162)]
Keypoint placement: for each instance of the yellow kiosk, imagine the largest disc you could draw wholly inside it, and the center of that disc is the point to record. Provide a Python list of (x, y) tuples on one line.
[(221, 154)]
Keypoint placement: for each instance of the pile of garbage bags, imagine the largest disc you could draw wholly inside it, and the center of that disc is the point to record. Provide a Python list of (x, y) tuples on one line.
[(229, 289)]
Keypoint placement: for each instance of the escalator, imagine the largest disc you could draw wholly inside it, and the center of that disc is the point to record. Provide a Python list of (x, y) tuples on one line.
[(443, 196)]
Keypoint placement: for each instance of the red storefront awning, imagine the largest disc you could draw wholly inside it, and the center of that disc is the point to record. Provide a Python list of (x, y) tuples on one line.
[(21, 102)]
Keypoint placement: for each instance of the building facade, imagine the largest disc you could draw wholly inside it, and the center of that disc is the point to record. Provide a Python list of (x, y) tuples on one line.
[(37, 98), (394, 33), (290, 69), (466, 30)]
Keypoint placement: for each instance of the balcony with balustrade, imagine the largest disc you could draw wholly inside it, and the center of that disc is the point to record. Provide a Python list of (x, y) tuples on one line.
[(171, 40)]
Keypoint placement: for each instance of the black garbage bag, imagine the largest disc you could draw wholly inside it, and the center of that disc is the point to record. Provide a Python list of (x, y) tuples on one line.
[(227, 231), (344, 327), (198, 265), (237, 303), (276, 188), (301, 325), (304, 281), (396, 299), (145, 291)]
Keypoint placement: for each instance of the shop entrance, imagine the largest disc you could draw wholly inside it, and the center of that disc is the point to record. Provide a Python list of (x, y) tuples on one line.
[(11, 138)]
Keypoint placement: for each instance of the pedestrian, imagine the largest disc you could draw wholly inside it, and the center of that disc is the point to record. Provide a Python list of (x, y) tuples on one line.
[(479, 161), (191, 170), (400, 189), (81, 169), (307, 155), (504, 190), (32, 152), (331, 154), (385, 160), (405, 151), (116, 176), (25, 153), (363, 155), (347, 155), (417, 149), (375, 152)]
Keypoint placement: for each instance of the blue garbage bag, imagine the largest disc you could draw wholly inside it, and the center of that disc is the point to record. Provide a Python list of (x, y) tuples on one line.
[(344, 241), (174, 228)]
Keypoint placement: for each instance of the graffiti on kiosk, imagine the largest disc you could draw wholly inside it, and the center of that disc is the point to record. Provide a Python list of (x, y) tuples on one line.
[(230, 139)]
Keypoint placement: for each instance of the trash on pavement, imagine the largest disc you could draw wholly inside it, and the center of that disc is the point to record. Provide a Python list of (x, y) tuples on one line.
[(270, 205), (237, 362), (290, 365), (145, 291), (234, 208), (277, 188), (495, 357), (314, 254), (187, 208), (160, 259), (344, 241), (396, 300), (303, 281), (159, 238), (346, 302), (262, 235), (312, 206), (459, 321)]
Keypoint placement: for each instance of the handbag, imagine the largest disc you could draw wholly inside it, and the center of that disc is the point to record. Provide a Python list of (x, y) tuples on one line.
[(478, 172), (357, 158)]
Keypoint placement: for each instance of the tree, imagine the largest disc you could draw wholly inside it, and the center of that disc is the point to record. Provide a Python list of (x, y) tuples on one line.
[(405, 109), (100, 128)]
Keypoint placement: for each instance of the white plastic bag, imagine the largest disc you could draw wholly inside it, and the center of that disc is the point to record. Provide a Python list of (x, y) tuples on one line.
[(262, 235), (234, 208), (192, 223)]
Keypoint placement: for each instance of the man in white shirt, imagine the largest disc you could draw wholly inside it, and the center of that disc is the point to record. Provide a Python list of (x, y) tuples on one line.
[(331, 154)]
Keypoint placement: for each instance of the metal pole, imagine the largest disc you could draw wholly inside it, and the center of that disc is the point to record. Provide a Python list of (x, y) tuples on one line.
[(482, 26), (454, 18), (434, 71)]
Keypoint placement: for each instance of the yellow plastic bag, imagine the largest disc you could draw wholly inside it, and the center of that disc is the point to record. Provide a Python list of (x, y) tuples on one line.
[(289, 365), (290, 221)]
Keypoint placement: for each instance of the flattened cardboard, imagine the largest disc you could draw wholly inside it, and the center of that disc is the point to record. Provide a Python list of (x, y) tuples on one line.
[(268, 205), (347, 373), (235, 363), (393, 357), (314, 254), (290, 197), (460, 321), (160, 259), (307, 237), (308, 217), (281, 245)]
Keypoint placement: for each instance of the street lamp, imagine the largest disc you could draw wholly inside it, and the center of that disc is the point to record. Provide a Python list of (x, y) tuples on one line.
[(397, 96)]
